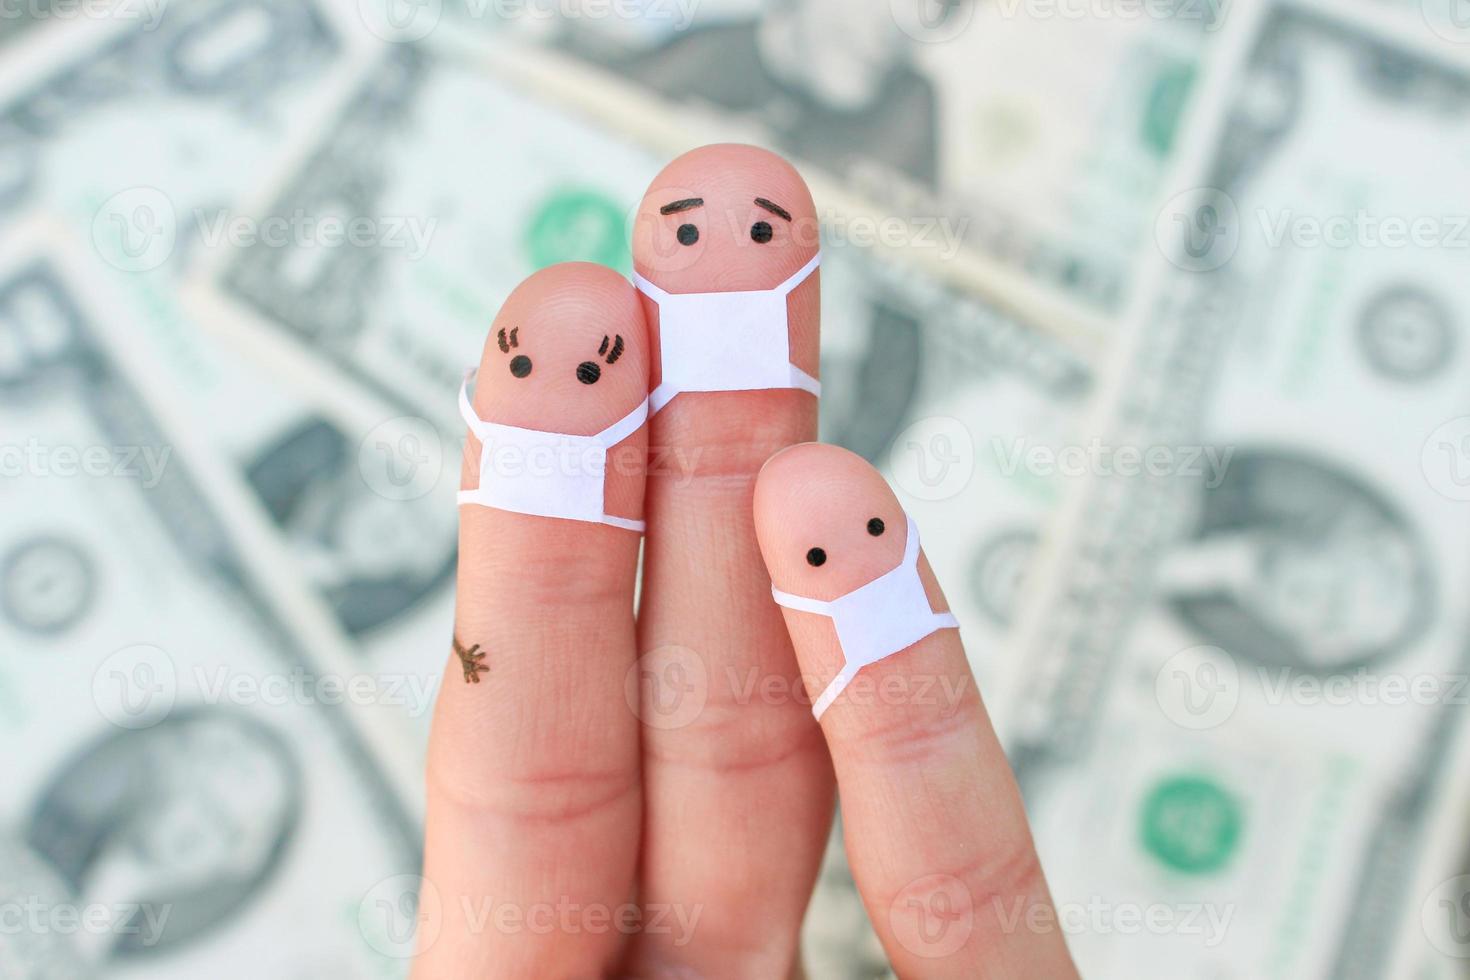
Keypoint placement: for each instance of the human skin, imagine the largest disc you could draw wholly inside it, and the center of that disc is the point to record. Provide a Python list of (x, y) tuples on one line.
[(557, 779)]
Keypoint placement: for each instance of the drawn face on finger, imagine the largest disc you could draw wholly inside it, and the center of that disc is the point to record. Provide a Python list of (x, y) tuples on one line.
[(843, 528), (588, 372), (724, 218), (567, 352)]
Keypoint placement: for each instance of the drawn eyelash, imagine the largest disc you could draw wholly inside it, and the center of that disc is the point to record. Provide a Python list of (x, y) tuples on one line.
[(505, 346), (617, 348)]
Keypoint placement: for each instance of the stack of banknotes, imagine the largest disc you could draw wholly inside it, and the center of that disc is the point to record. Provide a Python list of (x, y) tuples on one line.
[(1156, 313)]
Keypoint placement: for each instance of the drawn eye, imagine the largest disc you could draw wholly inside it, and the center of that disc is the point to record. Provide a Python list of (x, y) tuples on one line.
[(588, 372), (816, 558), (520, 365), (875, 526), (760, 232), (687, 234)]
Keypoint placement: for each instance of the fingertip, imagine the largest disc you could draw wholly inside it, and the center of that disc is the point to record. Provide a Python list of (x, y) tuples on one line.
[(716, 245), (826, 520), (568, 352)]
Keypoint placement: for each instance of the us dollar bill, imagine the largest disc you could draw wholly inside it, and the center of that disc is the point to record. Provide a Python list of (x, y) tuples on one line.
[(1035, 134), (194, 787), (366, 513), (1249, 644), (187, 104), (462, 188), (183, 107)]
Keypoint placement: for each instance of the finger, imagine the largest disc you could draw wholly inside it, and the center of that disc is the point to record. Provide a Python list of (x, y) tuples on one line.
[(935, 830), (533, 786), (737, 784)]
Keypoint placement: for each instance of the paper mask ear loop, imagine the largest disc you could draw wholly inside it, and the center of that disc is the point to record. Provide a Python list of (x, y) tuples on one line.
[(476, 425), (466, 410), (610, 437), (849, 670), (665, 392), (799, 378)]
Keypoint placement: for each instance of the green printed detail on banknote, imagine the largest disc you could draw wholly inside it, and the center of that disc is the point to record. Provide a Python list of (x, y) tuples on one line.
[(1241, 706)]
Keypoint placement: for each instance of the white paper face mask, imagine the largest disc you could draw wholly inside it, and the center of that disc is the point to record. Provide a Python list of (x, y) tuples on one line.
[(546, 474), (877, 620), (726, 341)]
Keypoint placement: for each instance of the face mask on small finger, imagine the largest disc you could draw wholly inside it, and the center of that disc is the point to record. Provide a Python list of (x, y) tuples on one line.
[(874, 621)]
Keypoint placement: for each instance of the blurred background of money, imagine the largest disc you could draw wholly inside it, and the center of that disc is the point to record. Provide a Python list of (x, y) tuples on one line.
[(1153, 311)]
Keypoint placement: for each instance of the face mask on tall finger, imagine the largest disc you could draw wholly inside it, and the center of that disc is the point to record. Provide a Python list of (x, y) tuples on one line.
[(735, 341)]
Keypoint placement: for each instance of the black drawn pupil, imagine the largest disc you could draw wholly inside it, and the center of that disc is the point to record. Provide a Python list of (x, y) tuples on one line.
[(520, 365), (816, 557), (875, 526), (688, 234), (761, 232), (588, 372)]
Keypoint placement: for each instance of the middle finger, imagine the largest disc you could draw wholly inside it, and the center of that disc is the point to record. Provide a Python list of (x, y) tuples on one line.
[(737, 780)]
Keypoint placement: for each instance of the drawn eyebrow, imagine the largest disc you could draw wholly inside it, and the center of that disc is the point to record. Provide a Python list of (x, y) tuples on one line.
[(674, 207), (773, 207), (505, 345)]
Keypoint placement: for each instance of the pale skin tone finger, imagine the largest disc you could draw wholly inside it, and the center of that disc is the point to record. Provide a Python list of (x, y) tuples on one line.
[(738, 794), (935, 830), (534, 798)]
